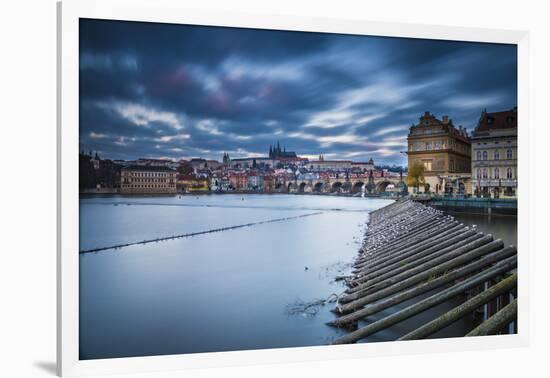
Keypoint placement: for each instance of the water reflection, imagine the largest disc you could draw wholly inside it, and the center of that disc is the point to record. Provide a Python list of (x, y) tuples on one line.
[(500, 226)]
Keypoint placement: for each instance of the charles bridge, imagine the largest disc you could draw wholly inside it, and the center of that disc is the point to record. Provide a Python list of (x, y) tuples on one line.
[(373, 185)]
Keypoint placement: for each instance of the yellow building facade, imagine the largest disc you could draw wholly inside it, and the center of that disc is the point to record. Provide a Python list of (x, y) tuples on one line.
[(192, 183), (445, 152)]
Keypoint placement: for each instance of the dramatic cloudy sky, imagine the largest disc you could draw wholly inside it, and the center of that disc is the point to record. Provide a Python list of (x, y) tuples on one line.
[(157, 90)]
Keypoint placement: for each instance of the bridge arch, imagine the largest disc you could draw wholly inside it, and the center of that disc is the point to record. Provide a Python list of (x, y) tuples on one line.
[(318, 188), (356, 188), (381, 186), (337, 187), (302, 187)]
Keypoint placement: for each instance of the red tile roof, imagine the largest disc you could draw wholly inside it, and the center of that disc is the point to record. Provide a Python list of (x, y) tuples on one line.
[(507, 119)]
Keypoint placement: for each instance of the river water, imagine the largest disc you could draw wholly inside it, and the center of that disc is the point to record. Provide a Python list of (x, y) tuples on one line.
[(500, 226), (219, 291)]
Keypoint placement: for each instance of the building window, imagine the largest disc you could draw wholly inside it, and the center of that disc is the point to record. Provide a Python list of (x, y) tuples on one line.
[(496, 155), (479, 155), (478, 174), (484, 173), (497, 173), (508, 173), (484, 155), (509, 154)]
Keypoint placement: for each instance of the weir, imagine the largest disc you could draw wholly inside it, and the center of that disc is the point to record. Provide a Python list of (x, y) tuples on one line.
[(220, 229), (412, 250)]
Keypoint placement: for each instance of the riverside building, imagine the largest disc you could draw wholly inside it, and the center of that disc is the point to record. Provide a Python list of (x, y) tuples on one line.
[(494, 154), (144, 179), (445, 152)]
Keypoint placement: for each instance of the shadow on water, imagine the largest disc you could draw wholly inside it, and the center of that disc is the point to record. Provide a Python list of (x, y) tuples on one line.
[(504, 227)]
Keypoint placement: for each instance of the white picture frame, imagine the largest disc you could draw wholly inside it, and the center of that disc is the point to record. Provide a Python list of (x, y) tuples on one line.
[(68, 196)]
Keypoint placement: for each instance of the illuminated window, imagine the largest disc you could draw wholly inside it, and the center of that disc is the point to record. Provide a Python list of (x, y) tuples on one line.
[(427, 165)]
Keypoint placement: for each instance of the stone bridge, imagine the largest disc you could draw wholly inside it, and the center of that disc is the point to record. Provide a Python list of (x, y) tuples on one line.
[(338, 185)]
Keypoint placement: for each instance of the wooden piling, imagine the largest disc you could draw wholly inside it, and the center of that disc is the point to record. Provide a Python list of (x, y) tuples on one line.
[(409, 250), (464, 309), (498, 321), (504, 258), (424, 305), (406, 279), (419, 257)]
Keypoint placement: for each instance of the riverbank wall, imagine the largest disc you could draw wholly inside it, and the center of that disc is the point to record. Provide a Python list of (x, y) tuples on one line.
[(92, 192), (472, 205), (420, 255)]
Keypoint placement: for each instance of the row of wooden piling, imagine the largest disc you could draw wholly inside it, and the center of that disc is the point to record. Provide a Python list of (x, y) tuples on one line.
[(412, 250)]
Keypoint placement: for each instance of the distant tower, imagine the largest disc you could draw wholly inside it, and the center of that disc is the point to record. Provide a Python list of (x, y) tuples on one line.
[(270, 151), (370, 183), (226, 159)]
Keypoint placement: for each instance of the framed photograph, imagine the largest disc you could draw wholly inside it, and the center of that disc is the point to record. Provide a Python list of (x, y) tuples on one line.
[(237, 189)]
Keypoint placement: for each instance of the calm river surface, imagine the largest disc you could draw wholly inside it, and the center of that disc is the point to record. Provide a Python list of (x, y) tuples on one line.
[(218, 291), (503, 227), (213, 292)]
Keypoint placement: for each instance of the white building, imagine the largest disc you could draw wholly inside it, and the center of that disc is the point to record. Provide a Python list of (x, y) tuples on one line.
[(494, 154)]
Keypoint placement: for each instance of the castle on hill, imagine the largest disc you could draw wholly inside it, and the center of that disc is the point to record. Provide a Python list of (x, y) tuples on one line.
[(276, 152)]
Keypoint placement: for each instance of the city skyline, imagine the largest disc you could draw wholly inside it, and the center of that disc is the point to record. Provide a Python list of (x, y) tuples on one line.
[(178, 92)]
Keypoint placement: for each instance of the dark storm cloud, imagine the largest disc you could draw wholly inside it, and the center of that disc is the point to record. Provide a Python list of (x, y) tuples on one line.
[(160, 90)]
